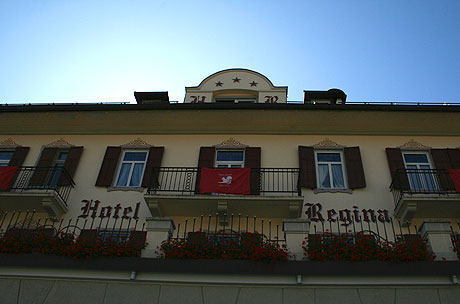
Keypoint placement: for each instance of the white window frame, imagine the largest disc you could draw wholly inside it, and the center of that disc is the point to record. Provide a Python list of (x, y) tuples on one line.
[(55, 174), (7, 162), (427, 153), (229, 163), (120, 164), (434, 183), (342, 163)]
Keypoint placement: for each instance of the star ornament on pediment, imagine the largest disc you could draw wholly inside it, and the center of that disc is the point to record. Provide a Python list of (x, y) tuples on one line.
[(219, 84), (253, 84), (236, 79)]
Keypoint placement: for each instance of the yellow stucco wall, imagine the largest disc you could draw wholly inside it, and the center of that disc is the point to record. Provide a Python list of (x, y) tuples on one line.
[(278, 151)]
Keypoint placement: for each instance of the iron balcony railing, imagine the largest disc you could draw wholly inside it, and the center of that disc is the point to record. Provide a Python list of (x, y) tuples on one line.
[(421, 181), (48, 179), (229, 227), (264, 181)]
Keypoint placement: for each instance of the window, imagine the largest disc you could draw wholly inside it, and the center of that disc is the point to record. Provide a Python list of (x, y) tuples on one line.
[(229, 159), (5, 157), (329, 170), (131, 169), (419, 171), (114, 235), (58, 164)]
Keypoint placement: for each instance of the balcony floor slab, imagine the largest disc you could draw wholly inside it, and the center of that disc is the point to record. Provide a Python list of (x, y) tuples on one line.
[(197, 205)]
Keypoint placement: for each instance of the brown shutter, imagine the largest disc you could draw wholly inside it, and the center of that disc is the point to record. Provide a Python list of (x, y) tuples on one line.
[(205, 160), (440, 158), (395, 162), (42, 171), (442, 162), (137, 238), (454, 155), (19, 156), (152, 167), (108, 167), (307, 167), (354, 166), (70, 165), (252, 160)]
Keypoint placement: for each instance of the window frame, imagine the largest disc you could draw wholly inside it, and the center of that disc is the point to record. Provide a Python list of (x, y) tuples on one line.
[(331, 180), (229, 163), (424, 152), (120, 164), (55, 174), (420, 177)]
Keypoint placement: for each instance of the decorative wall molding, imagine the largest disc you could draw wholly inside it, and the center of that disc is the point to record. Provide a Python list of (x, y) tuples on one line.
[(412, 144), (327, 143), (138, 142), (9, 142), (231, 142), (60, 143)]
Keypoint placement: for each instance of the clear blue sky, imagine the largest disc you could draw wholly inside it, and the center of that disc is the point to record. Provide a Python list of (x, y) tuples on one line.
[(102, 51)]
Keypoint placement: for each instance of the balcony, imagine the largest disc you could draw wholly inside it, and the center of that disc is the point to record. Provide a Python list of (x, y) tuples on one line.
[(44, 189), (175, 191), (424, 193)]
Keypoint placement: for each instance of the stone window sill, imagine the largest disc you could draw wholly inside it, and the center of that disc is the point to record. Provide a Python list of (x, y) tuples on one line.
[(137, 189)]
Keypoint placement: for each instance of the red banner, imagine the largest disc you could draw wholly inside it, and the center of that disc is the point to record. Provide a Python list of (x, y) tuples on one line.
[(228, 181), (6, 176), (455, 176)]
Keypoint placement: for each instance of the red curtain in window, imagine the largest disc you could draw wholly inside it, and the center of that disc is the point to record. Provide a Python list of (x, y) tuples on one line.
[(6, 176), (455, 176), (228, 181)]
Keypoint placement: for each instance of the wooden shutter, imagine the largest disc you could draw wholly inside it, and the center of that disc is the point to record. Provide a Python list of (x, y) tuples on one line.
[(108, 167), (42, 171), (354, 166), (152, 166), (252, 160), (441, 160), (395, 162), (17, 159), (454, 155), (307, 167), (19, 156), (70, 165), (205, 160)]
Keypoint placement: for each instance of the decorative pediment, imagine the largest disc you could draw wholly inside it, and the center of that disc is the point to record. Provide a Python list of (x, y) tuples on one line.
[(60, 143), (138, 142), (231, 142), (9, 142), (327, 143), (412, 144)]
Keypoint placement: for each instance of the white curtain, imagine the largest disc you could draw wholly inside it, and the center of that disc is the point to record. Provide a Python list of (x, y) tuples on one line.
[(123, 177), (136, 176), (337, 176), (324, 180)]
